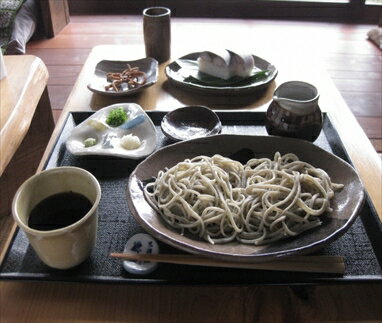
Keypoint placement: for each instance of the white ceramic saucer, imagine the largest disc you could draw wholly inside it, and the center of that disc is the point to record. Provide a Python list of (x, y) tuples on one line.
[(108, 139)]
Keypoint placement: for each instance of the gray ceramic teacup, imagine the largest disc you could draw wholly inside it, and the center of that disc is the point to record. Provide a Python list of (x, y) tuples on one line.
[(66, 246), (157, 33)]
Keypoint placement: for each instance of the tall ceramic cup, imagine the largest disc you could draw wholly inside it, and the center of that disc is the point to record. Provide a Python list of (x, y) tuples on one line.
[(157, 33), (294, 111), (70, 245)]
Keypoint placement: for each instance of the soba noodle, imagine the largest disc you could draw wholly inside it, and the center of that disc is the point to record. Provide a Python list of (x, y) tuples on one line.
[(221, 200)]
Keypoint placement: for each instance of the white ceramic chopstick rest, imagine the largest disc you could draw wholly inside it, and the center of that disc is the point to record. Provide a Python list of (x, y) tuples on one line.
[(144, 244)]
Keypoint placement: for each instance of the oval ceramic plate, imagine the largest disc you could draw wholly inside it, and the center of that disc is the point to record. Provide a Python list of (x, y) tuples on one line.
[(178, 73), (346, 203), (108, 138), (98, 82), (190, 122)]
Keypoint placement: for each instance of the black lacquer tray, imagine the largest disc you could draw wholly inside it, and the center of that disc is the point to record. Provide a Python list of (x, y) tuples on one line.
[(361, 246)]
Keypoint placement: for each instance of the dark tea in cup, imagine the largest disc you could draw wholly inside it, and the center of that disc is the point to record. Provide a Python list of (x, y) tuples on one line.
[(58, 211)]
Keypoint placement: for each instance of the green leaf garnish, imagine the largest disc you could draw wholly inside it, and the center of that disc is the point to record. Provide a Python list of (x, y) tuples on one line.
[(116, 117)]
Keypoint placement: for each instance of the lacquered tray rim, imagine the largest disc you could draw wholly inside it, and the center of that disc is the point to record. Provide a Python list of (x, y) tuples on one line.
[(258, 116)]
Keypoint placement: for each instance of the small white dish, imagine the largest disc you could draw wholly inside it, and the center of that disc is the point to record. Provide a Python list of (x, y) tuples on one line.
[(140, 243), (108, 138)]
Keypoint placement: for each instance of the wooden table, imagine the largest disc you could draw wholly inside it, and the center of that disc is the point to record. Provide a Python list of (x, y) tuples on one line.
[(296, 66), (26, 123), (91, 302)]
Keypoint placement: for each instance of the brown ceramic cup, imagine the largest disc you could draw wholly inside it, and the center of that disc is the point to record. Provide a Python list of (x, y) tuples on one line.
[(294, 111), (157, 33)]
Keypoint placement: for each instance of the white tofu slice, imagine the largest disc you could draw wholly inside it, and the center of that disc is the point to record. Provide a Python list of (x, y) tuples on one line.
[(225, 64), (215, 64), (241, 64)]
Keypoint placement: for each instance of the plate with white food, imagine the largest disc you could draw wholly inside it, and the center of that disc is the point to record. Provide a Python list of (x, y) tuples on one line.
[(120, 130), (221, 72), (245, 198)]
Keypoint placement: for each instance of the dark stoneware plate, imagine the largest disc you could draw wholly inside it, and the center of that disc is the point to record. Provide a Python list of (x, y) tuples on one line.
[(177, 75), (190, 122), (346, 203), (97, 84)]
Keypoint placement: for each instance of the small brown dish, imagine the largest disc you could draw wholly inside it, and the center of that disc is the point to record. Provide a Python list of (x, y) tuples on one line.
[(191, 122), (148, 65)]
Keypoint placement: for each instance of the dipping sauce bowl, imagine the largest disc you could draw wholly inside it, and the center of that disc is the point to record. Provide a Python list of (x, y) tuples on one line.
[(191, 122)]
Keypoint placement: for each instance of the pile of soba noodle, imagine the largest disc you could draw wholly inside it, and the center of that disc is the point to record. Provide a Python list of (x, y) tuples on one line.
[(221, 200)]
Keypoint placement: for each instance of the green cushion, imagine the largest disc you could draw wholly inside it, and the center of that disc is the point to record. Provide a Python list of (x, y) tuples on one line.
[(8, 11)]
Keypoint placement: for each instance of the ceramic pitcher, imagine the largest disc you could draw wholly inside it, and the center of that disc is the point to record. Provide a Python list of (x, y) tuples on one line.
[(294, 111)]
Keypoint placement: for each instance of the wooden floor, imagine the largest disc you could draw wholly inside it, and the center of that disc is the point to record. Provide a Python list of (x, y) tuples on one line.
[(353, 62)]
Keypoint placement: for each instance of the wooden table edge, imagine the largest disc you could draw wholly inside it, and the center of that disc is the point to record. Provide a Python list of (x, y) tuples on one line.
[(18, 115), (36, 65)]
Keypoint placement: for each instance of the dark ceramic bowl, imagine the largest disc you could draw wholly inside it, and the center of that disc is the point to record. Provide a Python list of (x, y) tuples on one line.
[(191, 122), (346, 203)]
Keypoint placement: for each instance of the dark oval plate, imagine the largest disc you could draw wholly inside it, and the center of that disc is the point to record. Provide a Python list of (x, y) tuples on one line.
[(346, 204), (97, 84), (177, 75)]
